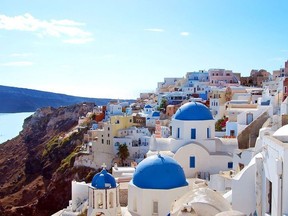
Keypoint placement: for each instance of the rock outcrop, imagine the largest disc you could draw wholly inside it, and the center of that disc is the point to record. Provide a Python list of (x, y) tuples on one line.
[(36, 167)]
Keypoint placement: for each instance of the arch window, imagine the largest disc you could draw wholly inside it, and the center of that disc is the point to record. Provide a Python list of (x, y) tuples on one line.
[(99, 200)]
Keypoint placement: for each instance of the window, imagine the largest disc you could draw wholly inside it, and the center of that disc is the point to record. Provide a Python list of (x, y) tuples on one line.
[(269, 196), (155, 207), (178, 133), (249, 118), (230, 165), (108, 128), (192, 162), (193, 133), (135, 204), (102, 141), (208, 133)]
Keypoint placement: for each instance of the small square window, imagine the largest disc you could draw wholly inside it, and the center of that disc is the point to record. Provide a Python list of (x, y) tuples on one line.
[(230, 165)]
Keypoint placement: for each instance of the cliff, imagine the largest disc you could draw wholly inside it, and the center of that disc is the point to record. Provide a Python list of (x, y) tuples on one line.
[(36, 167)]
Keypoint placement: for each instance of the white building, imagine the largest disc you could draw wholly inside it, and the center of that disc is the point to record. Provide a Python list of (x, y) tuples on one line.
[(114, 109), (265, 177), (136, 139), (241, 114), (150, 114), (157, 182)]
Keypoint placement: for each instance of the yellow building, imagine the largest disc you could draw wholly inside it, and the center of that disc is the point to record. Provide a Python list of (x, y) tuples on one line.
[(102, 147)]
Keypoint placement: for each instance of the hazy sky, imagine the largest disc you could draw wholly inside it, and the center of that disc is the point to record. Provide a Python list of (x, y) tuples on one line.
[(119, 48)]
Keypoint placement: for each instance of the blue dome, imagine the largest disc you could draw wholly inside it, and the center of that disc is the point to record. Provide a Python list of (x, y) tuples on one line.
[(159, 172), (148, 106), (193, 111), (155, 114), (103, 180)]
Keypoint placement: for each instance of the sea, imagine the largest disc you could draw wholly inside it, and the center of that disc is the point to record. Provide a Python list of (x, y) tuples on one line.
[(11, 124)]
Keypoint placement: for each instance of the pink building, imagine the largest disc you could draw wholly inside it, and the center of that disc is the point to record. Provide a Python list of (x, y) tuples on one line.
[(222, 77)]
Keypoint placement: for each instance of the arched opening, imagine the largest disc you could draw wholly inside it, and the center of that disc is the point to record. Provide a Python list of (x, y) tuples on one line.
[(111, 200), (99, 200), (91, 198)]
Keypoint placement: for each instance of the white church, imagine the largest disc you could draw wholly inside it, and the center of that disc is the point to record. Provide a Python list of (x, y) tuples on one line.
[(193, 143)]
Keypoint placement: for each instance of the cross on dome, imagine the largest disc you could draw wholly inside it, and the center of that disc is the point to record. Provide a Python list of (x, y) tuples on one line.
[(103, 166)]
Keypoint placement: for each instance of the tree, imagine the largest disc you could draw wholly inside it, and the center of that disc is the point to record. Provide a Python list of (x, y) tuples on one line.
[(163, 104), (123, 152)]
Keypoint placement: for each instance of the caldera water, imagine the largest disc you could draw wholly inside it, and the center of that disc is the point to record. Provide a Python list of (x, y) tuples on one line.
[(11, 124)]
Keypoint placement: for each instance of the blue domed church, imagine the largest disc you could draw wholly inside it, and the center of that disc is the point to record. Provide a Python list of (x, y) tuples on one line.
[(103, 195), (157, 182), (193, 143)]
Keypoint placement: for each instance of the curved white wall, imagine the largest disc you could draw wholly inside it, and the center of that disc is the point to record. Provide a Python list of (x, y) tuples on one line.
[(204, 162)]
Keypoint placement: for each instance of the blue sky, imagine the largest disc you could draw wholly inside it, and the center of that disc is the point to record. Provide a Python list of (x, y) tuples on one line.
[(119, 48)]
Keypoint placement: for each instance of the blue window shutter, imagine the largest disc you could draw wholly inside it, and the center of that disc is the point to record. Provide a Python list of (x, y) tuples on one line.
[(230, 165), (193, 133), (192, 161)]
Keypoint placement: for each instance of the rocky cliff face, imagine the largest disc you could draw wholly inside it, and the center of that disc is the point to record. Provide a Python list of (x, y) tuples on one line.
[(36, 167)]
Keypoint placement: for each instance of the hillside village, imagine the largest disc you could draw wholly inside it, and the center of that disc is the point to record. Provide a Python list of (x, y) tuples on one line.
[(209, 143)]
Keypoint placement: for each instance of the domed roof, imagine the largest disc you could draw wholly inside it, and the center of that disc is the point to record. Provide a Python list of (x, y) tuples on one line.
[(148, 106), (156, 114), (103, 180), (193, 111), (281, 134), (159, 172)]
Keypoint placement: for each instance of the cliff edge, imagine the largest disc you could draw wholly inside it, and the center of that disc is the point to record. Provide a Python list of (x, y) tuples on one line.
[(36, 167)]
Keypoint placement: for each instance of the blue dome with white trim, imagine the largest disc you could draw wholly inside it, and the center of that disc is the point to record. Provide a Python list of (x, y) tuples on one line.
[(103, 180), (193, 111), (159, 172)]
